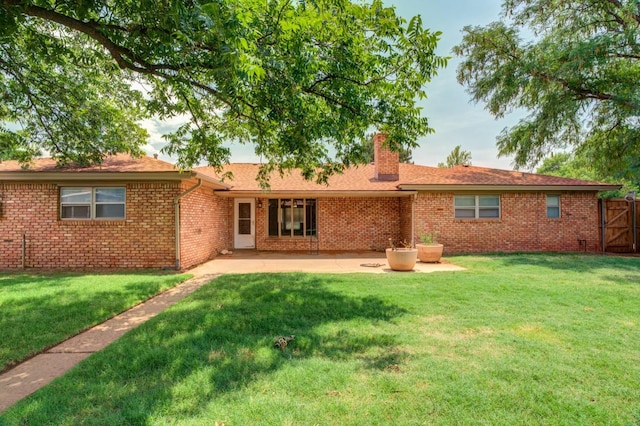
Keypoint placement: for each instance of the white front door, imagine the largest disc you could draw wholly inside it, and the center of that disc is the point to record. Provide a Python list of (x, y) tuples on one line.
[(244, 223)]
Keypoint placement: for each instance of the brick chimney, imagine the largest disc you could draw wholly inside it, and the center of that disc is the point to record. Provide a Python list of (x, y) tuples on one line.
[(387, 162)]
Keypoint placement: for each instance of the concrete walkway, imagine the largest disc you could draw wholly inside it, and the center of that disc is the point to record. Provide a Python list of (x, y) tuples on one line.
[(31, 375)]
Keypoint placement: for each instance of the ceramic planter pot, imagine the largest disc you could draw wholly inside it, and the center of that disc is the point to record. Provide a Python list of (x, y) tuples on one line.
[(429, 253), (402, 259)]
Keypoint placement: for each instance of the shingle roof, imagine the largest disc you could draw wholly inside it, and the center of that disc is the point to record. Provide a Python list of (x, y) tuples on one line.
[(119, 167), (354, 180), (116, 163), (472, 175), (411, 177)]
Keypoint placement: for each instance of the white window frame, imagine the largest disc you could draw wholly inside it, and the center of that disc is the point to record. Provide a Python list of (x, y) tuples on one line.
[(92, 203), (477, 208), (557, 206)]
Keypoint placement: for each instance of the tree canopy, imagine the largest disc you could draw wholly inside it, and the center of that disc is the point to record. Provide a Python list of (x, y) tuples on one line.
[(304, 81), (579, 167), (457, 157), (574, 65)]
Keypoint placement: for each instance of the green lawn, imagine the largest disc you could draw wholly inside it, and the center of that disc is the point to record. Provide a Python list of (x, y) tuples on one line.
[(38, 311), (515, 339)]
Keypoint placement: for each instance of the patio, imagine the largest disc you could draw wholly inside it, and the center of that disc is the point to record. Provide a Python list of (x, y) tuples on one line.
[(251, 261)]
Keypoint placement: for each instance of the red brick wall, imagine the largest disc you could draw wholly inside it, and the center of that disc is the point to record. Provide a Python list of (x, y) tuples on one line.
[(387, 162), (523, 225), (343, 224), (405, 219), (204, 226), (145, 239), (367, 223)]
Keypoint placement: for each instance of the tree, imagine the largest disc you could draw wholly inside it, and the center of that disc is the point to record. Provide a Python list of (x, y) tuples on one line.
[(578, 167), (576, 72), (292, 77), (566, 164), (457, 158)]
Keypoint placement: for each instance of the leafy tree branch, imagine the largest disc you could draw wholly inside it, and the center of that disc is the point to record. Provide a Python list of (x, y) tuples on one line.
[(303, 81), (575, 72)]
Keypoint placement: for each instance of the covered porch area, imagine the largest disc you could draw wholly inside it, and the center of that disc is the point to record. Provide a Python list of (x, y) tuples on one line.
[(320, 220)]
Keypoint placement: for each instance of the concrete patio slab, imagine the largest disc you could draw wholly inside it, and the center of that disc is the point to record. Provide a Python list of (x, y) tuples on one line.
[(248, 261)]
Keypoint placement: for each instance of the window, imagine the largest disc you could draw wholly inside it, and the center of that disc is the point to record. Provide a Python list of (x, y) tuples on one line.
[(292, 217), (92, 203), (553, 206), (477, 206)]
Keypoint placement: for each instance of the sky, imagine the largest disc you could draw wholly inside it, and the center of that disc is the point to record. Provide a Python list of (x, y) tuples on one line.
[(455, 119)]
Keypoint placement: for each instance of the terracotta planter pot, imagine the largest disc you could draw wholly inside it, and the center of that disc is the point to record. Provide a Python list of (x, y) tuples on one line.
[(429, 253), (402, 259)]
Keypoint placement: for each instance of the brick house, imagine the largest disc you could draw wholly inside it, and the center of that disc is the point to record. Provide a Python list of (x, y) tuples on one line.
[(144, 213)]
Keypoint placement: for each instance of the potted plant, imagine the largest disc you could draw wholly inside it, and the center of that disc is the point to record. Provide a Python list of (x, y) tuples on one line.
[(401, 258), (429, 250)]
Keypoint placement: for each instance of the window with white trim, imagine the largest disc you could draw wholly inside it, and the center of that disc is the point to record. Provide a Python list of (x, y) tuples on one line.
[(553, 206), (477, 206), (92, 202), (292, 217)]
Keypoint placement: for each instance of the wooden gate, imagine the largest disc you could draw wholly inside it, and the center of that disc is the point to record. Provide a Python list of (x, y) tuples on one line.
[(619, 225)]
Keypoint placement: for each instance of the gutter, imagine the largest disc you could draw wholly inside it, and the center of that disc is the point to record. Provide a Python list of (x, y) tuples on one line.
[(500, 188), (314, 194), (107, 176), (176, 204), (72, 176)]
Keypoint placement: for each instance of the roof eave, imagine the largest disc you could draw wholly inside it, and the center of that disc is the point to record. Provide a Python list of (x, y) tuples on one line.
[(34, 176), (215, 183), (312, 194), (503, 188), (73, 176)]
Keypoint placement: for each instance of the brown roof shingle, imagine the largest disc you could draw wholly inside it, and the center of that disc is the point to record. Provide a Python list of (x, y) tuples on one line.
[(472, 175), (116, 163), (353, 180), (412, 176)]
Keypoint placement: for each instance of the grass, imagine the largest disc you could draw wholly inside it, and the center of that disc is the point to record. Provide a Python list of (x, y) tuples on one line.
[(38, 311), (515, 339)]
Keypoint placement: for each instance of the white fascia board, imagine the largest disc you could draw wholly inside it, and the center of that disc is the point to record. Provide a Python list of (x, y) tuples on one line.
[(314, 194), (509, 188)]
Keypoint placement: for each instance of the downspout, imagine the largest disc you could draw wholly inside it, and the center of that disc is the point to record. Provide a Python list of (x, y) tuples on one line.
[(176, 205), (602, 223), (413, 219), (632, 198), (24, 250), (635, 232)]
